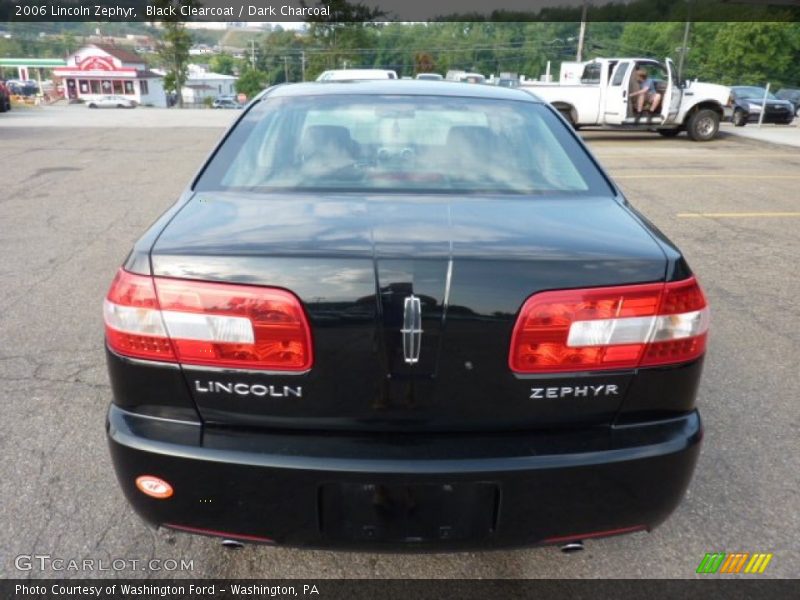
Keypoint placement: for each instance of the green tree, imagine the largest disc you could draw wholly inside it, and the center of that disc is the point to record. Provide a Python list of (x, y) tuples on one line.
[(70, 43), (222, 63), (652, 40), (173, 48), (251, 82), (347, 38), (280, 56), (755, 53)]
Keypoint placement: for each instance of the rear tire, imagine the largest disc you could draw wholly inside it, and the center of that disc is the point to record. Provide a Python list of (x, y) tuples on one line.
[(703, 125), (93, 106), (669, 133), (567, 114), (739, 118)]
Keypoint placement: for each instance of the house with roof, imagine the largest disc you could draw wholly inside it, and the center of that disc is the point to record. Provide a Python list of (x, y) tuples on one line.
[(202, 83), (104, 69)]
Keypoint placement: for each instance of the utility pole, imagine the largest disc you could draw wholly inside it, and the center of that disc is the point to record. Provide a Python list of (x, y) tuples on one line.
[(582, 34), (682, 57), (303, 63), (286, 69), (253, 53)]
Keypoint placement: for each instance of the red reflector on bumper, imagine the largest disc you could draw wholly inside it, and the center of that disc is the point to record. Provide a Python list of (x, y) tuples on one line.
[(155, 487), (594, 534), (223, 534)]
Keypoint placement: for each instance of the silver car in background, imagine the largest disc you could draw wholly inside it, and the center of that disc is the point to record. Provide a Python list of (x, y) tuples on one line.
[(111, 102)]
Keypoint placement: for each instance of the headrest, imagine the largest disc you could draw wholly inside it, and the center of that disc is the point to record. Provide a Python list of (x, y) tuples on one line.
[(327, 139)]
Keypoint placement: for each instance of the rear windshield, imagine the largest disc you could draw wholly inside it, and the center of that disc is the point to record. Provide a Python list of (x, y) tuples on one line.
[(402, 143)]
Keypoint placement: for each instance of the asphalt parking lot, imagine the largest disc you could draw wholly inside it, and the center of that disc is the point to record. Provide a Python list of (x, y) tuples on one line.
[(73, 199)]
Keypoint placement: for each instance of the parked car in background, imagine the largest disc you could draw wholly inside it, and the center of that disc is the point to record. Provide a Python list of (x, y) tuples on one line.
[(22, 88), (748, 102), (5, 97), (465, 77), (356, 74), (793, 96), (429, 77), (225, 103), (111, 102), (509, 82)]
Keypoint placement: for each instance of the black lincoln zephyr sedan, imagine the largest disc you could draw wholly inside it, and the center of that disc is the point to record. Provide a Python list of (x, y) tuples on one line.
[(395, 315)]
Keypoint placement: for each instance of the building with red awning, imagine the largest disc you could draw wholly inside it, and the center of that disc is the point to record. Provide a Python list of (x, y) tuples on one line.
[(102, 69)]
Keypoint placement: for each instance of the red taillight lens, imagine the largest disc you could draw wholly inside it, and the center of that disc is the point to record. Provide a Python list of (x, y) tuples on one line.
[(134, 326), (610, 328), (202, 323)]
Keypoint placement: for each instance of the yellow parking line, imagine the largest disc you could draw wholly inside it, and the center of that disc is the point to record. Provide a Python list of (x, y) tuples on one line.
[(737, 215), (696, 176), (694, 156)]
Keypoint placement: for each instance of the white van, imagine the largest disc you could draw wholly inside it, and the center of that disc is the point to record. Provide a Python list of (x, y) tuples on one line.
[(465, 77), (356, 74)]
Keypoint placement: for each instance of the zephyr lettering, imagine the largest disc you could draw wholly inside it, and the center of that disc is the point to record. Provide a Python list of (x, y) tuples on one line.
[(582, 391), (246, 389)]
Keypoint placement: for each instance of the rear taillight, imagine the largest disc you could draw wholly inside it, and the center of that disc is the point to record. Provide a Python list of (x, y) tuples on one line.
[(208, 324), (610, 328)]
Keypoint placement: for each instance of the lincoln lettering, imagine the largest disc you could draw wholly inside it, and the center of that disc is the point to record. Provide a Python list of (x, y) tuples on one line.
[(248, 389), (97, 10), (579, 391)]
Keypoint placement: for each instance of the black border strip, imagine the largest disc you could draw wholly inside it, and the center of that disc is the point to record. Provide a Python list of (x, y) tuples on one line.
[(340, 11), (710, 588)]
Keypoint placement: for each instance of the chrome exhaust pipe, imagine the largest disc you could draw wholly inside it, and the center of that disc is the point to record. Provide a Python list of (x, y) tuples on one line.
[(572, 547), (232, 544)]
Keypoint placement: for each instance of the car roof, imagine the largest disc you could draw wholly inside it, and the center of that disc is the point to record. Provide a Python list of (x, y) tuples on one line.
[(401, 87)]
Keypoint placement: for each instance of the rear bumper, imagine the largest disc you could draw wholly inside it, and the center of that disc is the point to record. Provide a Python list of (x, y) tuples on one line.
[(513, 489)]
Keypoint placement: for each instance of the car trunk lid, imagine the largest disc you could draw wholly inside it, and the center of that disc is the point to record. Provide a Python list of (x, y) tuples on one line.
[(465, 265)]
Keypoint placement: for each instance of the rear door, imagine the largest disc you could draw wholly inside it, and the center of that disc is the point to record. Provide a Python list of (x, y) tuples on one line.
[(615, 110)]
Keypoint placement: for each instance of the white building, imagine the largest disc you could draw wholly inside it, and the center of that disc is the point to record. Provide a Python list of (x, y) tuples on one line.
[(202, 84), (101, 69), (200, 49)]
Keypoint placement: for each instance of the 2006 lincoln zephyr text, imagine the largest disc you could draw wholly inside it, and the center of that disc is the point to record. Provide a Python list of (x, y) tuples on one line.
[(404, 315)]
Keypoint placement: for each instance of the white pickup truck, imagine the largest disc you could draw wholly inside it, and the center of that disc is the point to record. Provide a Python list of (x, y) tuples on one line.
[(597, 93)]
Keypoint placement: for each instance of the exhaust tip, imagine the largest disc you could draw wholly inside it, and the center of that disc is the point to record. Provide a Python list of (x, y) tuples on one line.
[(232, 544), (572, 547)]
